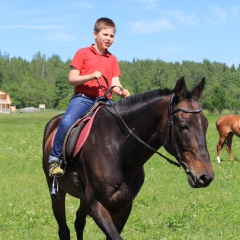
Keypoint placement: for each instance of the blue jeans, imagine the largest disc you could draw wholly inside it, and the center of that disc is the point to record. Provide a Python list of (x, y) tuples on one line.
[(78, 106)]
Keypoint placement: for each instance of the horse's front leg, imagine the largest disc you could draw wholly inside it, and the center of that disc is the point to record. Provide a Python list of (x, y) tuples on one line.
[(80, 221), (103, 219), (120, 216)]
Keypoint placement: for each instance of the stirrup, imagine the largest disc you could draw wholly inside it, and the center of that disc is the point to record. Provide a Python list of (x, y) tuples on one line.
[(54, 192)]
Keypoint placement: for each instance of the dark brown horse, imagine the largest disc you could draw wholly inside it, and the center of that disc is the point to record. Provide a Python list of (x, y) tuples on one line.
[(110, 165), (227, 126)]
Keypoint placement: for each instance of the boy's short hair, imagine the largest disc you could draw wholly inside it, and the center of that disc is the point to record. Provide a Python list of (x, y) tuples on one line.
[(103, 23)]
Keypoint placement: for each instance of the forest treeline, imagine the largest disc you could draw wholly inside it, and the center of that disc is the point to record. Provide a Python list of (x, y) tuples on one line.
[(45, 80)]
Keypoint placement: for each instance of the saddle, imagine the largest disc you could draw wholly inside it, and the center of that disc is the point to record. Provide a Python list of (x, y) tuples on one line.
[(78, 133)]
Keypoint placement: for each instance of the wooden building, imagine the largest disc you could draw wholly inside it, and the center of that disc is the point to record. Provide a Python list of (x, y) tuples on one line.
[(5, 103)]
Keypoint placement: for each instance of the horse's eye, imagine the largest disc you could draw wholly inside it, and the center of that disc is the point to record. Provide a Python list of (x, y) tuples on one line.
[(184, 127)]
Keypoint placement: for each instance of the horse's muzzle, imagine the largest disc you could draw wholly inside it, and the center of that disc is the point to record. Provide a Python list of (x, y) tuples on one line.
[(199, 182)]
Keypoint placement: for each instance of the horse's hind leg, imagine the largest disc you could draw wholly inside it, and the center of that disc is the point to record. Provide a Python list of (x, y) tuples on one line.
[(80, 221), (229, 146), (219, 147)]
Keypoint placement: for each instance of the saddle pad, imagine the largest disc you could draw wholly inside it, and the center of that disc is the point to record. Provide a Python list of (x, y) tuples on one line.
[(84, 134)]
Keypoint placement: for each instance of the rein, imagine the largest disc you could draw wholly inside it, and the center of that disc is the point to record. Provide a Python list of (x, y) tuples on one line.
[(170, 128)]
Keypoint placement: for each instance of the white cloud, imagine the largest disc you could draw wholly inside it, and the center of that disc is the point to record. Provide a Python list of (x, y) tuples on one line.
[(148, 1), (234, 10), (60, 38), (149, 4), (44, 27), (81, 5), (184, 18), (144, 27), (219, 12), (173, 49), (220, 16)]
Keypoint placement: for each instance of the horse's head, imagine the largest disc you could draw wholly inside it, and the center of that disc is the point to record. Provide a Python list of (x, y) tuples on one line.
[(186, 134)]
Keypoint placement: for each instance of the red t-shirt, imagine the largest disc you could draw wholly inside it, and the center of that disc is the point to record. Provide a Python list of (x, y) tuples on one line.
[(88, 60)]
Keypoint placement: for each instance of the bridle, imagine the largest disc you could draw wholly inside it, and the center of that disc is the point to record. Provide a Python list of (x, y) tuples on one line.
[(169, 132)]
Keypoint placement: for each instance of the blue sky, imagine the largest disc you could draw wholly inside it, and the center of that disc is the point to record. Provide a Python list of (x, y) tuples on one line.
[(169, 30)]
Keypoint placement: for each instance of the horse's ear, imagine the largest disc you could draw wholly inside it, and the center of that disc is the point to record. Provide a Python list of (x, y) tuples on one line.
[(197, 91), (180, 89)]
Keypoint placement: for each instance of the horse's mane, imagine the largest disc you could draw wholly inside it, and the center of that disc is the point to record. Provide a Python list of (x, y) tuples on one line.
[(141, 99)]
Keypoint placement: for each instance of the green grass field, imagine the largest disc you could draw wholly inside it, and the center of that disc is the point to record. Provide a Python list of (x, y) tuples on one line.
[(166, 208)]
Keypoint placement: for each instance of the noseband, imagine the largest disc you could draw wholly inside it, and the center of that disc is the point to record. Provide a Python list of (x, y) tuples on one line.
[(170, 130)]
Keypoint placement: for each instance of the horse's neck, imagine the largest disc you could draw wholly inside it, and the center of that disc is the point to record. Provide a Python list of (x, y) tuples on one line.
[(146, 120), (146, 124)]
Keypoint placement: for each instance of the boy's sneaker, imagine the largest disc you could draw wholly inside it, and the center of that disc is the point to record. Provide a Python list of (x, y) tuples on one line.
[(55, 170)]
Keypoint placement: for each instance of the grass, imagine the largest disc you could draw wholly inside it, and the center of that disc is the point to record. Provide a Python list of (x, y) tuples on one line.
[(166, 208)]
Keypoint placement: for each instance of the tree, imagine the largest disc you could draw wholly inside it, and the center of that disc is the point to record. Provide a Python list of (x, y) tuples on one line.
[(45, 80), (217, 101)]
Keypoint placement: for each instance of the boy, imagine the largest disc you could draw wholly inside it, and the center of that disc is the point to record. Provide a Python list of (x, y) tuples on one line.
[(88, 64)]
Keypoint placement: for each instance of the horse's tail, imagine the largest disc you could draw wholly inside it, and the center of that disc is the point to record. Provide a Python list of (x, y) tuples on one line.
[(224, 143)]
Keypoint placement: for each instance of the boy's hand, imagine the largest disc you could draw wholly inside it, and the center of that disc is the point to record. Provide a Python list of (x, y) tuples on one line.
[(95, 75), (124, 93)]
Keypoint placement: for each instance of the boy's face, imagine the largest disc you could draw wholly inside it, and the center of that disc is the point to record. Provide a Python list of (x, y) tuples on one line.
[(104, 38)]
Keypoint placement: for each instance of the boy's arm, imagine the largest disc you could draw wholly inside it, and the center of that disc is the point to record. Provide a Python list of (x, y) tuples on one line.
[(75, 79)]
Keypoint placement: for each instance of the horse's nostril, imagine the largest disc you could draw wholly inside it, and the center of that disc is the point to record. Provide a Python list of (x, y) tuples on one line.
[(205, 179)]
